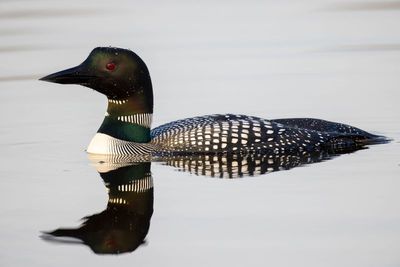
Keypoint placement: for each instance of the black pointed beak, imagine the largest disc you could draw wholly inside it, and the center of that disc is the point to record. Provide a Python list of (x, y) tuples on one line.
[(75, 75)]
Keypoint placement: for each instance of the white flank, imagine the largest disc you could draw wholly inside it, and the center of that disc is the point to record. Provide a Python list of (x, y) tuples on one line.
[(100, 144)]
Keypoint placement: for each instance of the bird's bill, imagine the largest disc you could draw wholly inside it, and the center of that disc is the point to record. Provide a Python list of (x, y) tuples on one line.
[(75, 75)]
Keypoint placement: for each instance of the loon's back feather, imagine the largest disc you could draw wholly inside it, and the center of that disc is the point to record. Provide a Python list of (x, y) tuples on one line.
[(323, 126), (247, 134)]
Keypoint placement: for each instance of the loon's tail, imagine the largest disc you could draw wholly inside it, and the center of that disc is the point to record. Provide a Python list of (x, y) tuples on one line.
[(374, 140), (349, 143)]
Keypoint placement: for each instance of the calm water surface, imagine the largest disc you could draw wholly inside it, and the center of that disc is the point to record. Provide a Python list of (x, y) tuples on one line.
[(336, 60)]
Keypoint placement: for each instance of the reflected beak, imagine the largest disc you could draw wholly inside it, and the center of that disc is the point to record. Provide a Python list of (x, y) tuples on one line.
[(75, 75)]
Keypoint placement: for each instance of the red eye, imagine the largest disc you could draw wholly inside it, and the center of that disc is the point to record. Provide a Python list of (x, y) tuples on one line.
[(110, 66)]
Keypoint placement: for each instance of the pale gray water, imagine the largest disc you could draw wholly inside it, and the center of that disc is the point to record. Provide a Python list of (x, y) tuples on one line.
[(335, 60)]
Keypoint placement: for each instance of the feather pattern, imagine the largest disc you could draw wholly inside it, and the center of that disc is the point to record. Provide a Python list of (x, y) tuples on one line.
[(238, 134)]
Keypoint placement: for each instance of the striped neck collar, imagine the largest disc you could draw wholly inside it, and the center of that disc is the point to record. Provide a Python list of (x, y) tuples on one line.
[(130, 111), (127, 119), (142, 119)]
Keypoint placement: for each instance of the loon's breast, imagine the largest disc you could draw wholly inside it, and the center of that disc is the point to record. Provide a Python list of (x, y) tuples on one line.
[(247, 134)]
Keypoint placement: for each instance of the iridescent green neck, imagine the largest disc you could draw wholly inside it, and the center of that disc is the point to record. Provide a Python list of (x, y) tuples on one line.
[(128, 119)]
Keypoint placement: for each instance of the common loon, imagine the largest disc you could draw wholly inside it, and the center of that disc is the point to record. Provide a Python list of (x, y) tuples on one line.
[(123, 77)]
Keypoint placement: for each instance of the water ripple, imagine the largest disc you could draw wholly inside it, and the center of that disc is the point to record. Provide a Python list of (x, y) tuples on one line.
[(19, 78), (46, 13)]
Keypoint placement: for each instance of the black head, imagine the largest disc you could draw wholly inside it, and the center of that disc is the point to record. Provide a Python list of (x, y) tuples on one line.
[(115, 72)]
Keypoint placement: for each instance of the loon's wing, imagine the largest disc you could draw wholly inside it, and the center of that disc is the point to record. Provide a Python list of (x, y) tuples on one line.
[(246, 134), (323, 126), (212, 133), (338, 130)]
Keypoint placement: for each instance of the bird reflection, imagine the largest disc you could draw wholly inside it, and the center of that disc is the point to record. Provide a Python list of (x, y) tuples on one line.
[(236, 166), (124, 224)]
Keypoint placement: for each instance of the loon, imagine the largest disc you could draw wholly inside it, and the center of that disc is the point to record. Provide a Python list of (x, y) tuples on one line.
[(123, 77)]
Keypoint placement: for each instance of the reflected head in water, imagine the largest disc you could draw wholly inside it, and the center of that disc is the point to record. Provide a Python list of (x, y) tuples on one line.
[(124, 224)]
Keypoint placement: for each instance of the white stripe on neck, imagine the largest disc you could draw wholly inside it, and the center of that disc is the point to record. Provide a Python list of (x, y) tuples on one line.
[(143, 119), (118, 102)]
